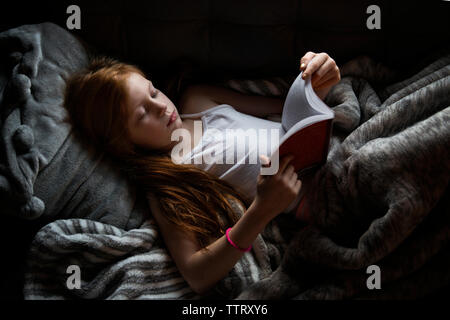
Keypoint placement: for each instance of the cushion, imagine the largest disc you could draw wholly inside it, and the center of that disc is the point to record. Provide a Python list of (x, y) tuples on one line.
[(46, 169)]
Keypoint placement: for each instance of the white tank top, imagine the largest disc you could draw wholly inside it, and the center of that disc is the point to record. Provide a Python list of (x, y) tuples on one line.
[(236, 164)]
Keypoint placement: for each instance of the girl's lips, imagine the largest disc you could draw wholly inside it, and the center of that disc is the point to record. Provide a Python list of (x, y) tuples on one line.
[(172, 118)]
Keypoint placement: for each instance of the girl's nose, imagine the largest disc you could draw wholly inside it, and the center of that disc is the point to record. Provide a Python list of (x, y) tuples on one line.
[(160, 108)]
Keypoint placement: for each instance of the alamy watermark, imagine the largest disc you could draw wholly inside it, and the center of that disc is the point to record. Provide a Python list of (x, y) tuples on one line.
[(234, 144), (374, 280), (74, 280), (74, 20), (374, 20)]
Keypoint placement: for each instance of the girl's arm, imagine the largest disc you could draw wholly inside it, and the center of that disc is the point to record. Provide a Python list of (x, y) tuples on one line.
[(198, 98), (201, 268), (320, 66)]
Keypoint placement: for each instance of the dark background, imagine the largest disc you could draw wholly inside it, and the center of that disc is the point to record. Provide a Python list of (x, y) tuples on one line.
[(229, 39), (247, 38)]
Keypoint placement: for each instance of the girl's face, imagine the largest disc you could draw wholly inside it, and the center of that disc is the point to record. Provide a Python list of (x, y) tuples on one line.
[(151, 113)]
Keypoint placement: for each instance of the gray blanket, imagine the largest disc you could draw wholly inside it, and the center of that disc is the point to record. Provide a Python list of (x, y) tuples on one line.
[(47, 171), (381, 199)]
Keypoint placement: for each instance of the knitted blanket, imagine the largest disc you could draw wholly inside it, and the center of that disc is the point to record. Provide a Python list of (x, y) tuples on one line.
[(82, 258)]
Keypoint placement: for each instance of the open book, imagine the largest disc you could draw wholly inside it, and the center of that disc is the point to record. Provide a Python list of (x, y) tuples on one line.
[(306, 127)]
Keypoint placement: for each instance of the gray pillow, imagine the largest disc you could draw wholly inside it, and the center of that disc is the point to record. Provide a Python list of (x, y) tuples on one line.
[(46, 170)]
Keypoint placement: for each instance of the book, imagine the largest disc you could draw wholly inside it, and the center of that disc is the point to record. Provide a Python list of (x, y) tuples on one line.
[(306, 125)]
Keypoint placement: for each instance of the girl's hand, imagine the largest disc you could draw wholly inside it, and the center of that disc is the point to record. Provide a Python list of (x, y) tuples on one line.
[(323, 69), (274, 193)]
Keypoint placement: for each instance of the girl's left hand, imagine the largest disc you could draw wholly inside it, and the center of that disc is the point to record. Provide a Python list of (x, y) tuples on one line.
[(323, 69)]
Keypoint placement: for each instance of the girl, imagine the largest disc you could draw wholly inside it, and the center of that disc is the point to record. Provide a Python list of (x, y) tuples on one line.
[(117, 108)]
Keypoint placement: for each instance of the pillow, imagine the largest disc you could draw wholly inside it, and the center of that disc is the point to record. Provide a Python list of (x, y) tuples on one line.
[(46, 170)]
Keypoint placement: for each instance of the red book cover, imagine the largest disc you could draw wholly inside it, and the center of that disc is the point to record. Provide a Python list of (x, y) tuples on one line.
[(309, 145)]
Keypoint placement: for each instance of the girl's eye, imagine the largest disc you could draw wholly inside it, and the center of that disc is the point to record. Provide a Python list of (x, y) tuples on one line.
[(154, 94), (142, 114)]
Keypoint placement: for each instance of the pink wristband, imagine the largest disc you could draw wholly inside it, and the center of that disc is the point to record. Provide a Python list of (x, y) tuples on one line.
[(232, 243)]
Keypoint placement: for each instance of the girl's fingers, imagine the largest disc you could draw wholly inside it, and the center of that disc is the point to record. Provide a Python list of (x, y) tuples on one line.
[(325, 67), (328, 83), (317, 83), (298, 185), (306, 59), (283, 164), (293, 179), (265, 161), (289, 171), (314, 64), (325, 72)]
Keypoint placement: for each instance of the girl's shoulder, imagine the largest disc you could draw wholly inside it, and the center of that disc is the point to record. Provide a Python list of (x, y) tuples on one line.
[(195, 100)]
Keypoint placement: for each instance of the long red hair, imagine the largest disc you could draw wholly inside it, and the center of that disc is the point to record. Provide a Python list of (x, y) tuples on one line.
[(192, 199)]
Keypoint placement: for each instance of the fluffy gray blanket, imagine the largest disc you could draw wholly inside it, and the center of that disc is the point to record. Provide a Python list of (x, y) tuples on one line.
[(382, 198)]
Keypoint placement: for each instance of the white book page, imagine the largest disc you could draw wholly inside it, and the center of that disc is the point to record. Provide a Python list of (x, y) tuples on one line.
[(302, 105)]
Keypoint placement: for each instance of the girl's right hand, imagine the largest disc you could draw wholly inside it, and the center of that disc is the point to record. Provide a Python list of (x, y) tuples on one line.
[(274, 193)]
